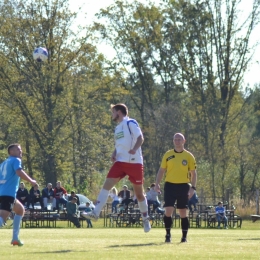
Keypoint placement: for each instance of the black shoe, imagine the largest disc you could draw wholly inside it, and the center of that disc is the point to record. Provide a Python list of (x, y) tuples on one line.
[(184, 240), (168, 239)]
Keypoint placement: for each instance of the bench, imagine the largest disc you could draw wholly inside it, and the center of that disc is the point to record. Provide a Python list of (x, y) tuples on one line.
[(195, 219), (157, 219), (63, 217), (38, 218), (47, 219), (255, 218), (134, 219), (234, 221)]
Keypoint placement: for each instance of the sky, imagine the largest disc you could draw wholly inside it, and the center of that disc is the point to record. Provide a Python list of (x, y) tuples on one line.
[(91, 7)]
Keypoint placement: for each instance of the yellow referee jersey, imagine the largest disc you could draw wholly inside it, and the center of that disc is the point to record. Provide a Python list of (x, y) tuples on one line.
[(178, 165)]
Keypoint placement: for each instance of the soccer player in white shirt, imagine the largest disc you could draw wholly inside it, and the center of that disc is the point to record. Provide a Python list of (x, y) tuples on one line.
[(127, 161)]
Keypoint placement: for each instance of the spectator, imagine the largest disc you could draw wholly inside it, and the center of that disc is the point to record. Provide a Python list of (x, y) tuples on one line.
[(221, 214), (88, 209), (115, 198), (35, 196), (134, 198), (193, 201), (59, 194), (72, 210), (148, 197), (125, 195), (48, 196), (22, 194), (73, 195), (153, 197)]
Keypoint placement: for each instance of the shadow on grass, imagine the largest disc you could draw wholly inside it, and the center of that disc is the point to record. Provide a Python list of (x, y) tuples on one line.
[(54, 252), (135, 245), (249, 238)]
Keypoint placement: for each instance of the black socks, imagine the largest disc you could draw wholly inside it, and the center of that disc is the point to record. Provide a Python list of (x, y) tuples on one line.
[(184, 226), (167, 224)]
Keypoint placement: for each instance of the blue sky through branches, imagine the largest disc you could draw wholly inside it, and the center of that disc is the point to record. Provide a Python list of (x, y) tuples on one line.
[(90, 8)]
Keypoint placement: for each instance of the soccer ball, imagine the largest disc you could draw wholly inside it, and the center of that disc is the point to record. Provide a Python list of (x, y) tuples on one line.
[(40, 54)]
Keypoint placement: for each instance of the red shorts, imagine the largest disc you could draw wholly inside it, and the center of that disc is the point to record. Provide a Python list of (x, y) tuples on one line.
[(134, 171)]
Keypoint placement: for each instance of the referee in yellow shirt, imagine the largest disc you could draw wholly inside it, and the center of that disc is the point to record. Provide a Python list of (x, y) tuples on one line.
[(180, 183)]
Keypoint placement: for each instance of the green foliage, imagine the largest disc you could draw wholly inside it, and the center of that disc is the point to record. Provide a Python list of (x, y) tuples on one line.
[(179, 68), (50, 97)]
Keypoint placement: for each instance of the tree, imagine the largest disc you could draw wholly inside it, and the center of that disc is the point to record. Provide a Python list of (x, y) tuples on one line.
[(39, 90), (213, 51)]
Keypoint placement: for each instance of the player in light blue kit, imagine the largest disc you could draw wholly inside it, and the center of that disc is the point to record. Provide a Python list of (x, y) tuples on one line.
[(10, 173)]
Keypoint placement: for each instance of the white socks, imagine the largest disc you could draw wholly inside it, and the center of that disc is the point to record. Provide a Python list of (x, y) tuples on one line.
[(101, 201), (143, 208)]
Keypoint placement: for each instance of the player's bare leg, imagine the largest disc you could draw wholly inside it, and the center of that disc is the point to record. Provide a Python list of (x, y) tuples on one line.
[(4, 214)]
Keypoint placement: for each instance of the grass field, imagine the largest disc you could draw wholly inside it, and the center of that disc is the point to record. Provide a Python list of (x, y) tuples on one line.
[(131, 243)]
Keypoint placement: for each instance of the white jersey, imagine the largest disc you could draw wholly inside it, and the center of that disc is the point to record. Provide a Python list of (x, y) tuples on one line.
[(126, 134)]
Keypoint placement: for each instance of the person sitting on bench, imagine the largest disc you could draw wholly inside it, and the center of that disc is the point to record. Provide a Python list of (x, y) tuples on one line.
[(221, 214)]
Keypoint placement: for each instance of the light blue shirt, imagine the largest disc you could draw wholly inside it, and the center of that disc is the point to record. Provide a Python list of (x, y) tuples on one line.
[(9, 180)]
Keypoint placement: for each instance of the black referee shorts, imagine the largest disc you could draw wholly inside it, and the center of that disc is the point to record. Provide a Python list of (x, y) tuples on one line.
[(176, 192), (7, 203)]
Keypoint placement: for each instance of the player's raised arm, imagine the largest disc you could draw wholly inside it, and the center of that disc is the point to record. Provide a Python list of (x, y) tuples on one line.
[(23, 175)]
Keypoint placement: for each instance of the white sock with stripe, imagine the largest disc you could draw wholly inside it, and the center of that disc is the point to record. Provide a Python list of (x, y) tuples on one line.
[(101, 201), (143, 208)]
